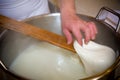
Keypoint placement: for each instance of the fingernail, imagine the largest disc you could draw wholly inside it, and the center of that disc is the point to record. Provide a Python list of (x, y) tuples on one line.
[(86, 42), (80, 43), (68, 42)]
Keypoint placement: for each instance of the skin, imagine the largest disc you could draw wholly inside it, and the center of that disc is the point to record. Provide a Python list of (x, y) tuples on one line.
[(73, 25)]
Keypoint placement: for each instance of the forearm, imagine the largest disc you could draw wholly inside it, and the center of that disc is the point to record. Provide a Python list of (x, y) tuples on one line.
[(67, 6), (72, 25)]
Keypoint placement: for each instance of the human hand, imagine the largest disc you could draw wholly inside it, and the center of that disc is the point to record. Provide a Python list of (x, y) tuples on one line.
[(73, 25)]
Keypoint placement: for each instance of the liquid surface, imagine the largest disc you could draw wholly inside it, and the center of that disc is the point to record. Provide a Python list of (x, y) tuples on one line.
[(43, 61)]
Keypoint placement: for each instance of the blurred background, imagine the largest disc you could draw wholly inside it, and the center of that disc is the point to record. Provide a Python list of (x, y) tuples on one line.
[(91, 7)]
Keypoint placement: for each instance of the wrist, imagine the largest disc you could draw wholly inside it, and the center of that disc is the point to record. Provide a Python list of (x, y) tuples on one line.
[(67, 7)]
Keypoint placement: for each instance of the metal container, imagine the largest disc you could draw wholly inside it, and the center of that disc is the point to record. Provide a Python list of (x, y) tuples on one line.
[(51, 22)]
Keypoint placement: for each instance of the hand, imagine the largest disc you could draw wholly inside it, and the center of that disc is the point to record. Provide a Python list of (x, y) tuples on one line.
[(73, 25)]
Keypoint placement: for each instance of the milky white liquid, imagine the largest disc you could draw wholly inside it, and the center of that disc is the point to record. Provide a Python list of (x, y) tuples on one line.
[(43, 61)]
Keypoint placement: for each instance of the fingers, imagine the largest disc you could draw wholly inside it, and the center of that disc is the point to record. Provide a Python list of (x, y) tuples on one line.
[(94, 27), (67, 35), (78, 36), (74, 25), (87, 35), (88, 28), (90, 32)]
